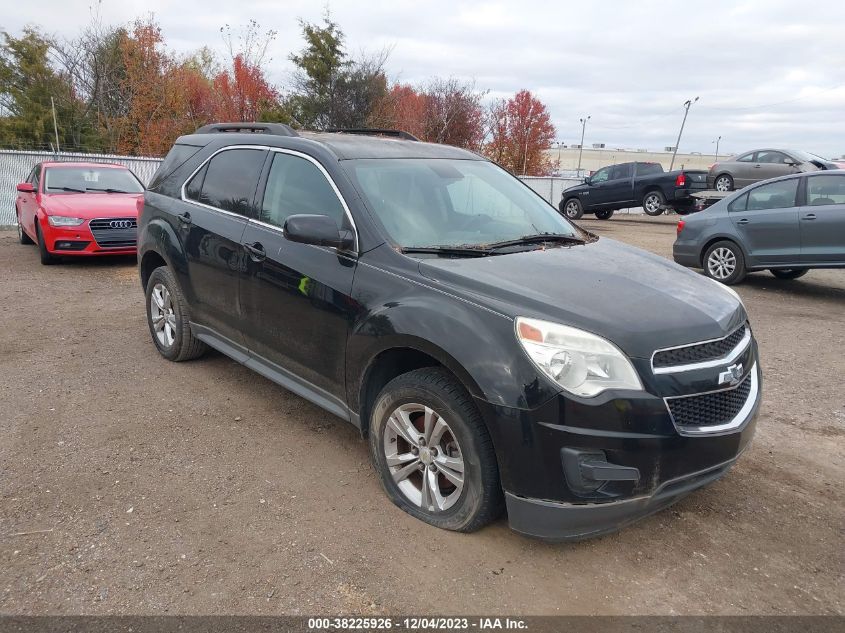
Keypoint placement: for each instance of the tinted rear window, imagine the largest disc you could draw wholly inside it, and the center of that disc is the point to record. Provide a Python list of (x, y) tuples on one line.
[(230, 180), (175, 158)]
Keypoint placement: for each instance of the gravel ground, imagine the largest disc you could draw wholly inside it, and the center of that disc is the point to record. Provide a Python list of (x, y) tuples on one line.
[(130, 485)]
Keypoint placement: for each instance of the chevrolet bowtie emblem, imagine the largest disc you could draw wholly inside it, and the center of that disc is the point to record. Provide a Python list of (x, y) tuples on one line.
[(731, 375)]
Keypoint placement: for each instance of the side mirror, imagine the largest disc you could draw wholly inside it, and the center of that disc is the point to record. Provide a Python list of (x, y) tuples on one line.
[(26, 187), (319, 230), (586, 180)]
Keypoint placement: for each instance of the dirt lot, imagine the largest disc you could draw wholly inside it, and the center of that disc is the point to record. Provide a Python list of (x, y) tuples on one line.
[(132, 485)]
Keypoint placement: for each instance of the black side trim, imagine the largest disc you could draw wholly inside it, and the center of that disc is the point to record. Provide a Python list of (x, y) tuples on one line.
[(276, 373)]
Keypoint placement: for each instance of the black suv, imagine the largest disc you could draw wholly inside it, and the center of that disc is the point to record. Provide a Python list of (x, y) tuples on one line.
[(493, 353)]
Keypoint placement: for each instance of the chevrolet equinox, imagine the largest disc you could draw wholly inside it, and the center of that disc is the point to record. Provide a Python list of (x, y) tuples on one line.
[(494, 354)]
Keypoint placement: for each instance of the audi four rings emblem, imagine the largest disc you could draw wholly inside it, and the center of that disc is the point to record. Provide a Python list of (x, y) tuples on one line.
[(121, 224)]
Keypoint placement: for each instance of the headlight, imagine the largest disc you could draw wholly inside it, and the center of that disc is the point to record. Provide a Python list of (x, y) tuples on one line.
[(61, 220), (582, 363)]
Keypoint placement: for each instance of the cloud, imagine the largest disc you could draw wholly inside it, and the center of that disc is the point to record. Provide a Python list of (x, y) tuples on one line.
[(768, 72)]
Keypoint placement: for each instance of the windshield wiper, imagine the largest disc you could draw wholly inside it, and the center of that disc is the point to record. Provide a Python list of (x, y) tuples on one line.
[(540, 238), (463, 251), (107, 190), (73, 189)]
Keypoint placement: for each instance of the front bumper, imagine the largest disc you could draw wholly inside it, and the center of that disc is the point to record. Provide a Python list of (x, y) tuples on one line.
[(78, 240), (651, 461)]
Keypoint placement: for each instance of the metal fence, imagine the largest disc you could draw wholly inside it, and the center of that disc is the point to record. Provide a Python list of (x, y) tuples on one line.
[(15, 167)]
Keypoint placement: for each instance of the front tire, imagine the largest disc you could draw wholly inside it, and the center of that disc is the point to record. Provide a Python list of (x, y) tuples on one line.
[(788, 273), (653, 203), (724, 183), (47, 259), (604, 215), (23, 238), (433, 453), (572, 209), (725, 263), (169, 317)]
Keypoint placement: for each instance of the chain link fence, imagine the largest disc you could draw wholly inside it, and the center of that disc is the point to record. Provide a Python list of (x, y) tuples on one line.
[(16, 165)]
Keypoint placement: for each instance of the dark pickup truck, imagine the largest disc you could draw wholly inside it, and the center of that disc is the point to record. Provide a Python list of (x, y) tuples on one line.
[(632, 185)]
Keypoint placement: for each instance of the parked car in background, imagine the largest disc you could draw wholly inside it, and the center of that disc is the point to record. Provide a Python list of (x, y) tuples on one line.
[(78, 209), (787, 225), (492, 353), (761, 164), (632, 185)]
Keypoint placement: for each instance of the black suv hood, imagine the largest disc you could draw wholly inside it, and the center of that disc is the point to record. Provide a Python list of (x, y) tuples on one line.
[(637, 300)]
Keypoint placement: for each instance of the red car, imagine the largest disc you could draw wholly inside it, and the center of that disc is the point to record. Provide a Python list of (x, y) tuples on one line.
[(79, 209)]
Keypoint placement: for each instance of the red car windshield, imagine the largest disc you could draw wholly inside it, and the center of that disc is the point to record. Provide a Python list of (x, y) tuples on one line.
[(90, 179)]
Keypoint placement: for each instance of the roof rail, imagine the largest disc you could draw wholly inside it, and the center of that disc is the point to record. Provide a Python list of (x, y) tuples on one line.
[(363, 131), (277, 129)]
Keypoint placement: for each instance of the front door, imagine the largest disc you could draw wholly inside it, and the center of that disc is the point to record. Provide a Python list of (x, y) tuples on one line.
[(210, 222), (296, 298), (771, 164), (823, 219), (766, 220), (600, 189), (28, 202)]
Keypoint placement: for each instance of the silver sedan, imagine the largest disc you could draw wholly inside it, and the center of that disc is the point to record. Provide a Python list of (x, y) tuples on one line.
[(761, 164)]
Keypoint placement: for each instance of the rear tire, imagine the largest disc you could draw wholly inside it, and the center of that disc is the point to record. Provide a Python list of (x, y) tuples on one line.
[(23, 238), (788, 273), (653, 203), (46, 257), (572, 208), (169, 316), (604, 215), (725, 263), (725, 182), (427, 438)]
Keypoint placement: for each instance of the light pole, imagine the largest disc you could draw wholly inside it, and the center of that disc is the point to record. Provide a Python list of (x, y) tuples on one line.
[(717, 148), (687, 105), (581, 147)]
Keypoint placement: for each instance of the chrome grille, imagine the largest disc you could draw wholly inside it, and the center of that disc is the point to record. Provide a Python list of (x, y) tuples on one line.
[(114, 232), (711, 409), (699, 352)]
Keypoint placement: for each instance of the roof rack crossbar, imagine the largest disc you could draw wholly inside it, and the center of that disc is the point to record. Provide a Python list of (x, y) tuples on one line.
[(363, 131), (277, 129)]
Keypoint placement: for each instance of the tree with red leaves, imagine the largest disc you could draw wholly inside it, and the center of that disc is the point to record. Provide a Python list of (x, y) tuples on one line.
[(521, 131), (242, 92)]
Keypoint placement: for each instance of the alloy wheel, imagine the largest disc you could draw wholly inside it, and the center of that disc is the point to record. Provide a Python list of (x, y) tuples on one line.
[(424, 457), (571, 209), (652, 204), (722, 263), (162, 315), (723, 184)]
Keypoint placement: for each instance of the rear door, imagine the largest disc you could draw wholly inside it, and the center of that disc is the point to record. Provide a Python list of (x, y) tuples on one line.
[(296, 298), (744, 169), (766, 221), (216, 203), (822, 219)]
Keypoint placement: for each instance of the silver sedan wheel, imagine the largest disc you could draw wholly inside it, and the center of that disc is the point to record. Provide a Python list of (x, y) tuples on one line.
[(424, 457), (722, 263), (571, 209), (162, 315), (652, 203), (723, 183)]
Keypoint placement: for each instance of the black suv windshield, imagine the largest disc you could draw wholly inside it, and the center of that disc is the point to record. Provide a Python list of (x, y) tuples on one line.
[(424, 202), (90, 179)]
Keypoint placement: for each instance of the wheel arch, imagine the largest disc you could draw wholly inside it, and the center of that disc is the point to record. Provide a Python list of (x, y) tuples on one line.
[(722, 238), (158, 245)]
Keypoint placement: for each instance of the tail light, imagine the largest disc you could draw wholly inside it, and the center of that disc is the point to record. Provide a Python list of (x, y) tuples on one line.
[(681, 224), (681, 180)]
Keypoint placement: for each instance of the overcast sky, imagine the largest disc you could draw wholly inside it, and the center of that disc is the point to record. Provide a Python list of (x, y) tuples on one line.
[(768, 72)]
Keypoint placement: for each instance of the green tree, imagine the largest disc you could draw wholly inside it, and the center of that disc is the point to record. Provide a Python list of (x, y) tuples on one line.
[(27, 82)]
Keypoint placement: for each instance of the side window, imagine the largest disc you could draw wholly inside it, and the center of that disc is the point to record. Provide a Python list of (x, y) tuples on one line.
[(295, 185), (824, 190), (621, 171), (772, 158), (35, 176), (644, 169), (740, 204), (777, 195), (229, 180), (746, 158), (601, 175)]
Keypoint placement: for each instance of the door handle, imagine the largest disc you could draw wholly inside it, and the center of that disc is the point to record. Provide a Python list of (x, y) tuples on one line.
[(256, 251), (756, 166), (742, 221), (810, 216), (184, 218)]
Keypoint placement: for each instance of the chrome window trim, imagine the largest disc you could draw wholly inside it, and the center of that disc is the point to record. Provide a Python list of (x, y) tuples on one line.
[(738, 420), (728, 358), (278, 150)]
